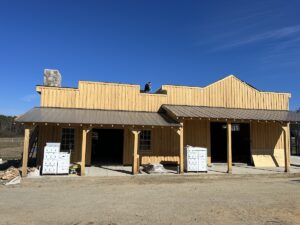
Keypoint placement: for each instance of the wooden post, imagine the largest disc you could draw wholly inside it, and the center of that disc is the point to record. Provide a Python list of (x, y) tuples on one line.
[(25, 150), (181, 148), (286, 131), (83, 149), (135, 158), (229, 148), (208, 143)]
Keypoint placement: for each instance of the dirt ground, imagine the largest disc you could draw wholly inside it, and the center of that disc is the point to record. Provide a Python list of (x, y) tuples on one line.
[(231, 199)]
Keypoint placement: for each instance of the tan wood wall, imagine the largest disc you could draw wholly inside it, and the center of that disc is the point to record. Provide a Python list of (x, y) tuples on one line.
[(267, 146), (267, 142), (165, 147), (196, 133), (52, 133), (228, 92)]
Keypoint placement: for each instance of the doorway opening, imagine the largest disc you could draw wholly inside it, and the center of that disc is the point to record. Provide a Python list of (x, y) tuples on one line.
[(218, 134), (240, 134), (241, 143), (107, 146)]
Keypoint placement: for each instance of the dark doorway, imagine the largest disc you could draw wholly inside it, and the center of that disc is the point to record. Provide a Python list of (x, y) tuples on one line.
[(240, 142), (295, 139), (218, 134), (107, 146)]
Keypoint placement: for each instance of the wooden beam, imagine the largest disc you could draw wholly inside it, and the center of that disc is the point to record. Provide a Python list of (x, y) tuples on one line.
[(83, 149), (208, 144), (286, 131), (229, 148), (25, 150), (181, 148), (135, 157)]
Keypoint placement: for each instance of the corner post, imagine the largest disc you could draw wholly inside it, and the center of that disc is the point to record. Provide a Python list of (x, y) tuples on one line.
[(25, 150), (135, 156), (208, 144), (229, 148), (181, 148), (83, 150), (286, 131)]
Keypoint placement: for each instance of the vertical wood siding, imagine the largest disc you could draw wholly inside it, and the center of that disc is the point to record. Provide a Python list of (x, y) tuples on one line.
[(229, 92), (267, 146), (51, 133), (267, 143), (164, 147)]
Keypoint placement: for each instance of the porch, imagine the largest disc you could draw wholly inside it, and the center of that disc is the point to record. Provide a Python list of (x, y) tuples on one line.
[(119, 132), (214, 169), (171, 129)]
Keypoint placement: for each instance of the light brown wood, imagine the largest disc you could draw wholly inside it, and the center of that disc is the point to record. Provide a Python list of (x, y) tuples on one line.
[(267, 144), (83, 151), (164, 147), (228, 92), (135, 157), (25, 150), (267, 139), (229, 148), (208, 143), (286, 148), (181, 148)]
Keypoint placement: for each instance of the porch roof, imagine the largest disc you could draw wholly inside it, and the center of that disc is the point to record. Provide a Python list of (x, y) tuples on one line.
[(95, 116), (181, 111)]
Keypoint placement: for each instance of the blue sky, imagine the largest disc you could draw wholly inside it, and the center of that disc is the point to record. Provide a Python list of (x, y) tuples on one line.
[(135, 41)]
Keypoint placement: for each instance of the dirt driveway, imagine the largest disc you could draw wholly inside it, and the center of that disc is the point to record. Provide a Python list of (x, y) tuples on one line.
[(181, 200)]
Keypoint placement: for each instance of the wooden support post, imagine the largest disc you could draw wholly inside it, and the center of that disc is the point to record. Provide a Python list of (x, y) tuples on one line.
[(229, 148), (286, 132), (135, 158), (208, 143), (83, 149), (181, 148), (25, 150)]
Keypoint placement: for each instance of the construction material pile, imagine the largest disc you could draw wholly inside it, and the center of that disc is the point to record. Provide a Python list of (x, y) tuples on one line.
[(10, 176), (155, 169)]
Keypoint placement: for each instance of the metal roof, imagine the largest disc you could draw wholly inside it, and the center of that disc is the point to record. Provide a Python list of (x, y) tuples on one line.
[(93, 116), (231, 113)]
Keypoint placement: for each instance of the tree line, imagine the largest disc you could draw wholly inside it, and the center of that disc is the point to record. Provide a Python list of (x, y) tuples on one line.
[(8, 127)]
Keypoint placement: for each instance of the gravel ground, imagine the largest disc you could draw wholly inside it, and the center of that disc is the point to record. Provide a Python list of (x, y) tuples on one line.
[(211, 199)]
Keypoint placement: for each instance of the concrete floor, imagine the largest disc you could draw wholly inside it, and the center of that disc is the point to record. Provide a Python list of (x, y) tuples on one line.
[(295, 160), (216, 168)]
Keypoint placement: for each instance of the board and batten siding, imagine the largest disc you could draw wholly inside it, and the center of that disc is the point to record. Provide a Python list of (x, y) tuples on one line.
[(164, 147), (53, 133), (267, 144), (229, 92)]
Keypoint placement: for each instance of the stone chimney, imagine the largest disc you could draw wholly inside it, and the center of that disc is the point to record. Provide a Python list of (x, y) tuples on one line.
[(52, 78)]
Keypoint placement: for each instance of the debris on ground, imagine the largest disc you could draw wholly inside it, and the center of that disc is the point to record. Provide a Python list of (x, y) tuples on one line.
[(16, 180), (155, 168), (74, 169), (10, 173), (33, 172), (10, 176)]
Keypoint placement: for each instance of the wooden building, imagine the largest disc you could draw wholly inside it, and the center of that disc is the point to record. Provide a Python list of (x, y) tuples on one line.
[(118, 123)]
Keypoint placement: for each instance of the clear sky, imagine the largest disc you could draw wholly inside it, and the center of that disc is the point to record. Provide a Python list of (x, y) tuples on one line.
[(135, 41)]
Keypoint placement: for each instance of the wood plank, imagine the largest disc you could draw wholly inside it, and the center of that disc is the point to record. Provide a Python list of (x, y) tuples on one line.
[(83, 151), (25, 150), (229, 148), (286, 148), (135, 168)]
